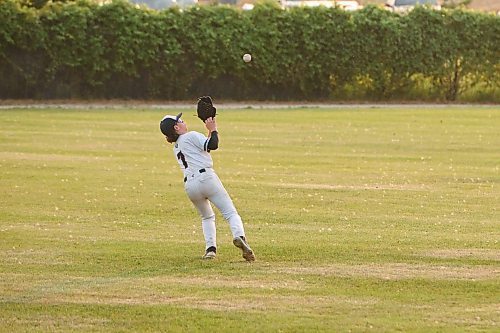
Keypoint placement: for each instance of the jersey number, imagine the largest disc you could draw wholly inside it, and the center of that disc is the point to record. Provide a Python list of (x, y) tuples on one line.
[(180, 156)]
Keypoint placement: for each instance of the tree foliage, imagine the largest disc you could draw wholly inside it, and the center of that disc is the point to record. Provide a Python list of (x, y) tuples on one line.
[(79, 49)]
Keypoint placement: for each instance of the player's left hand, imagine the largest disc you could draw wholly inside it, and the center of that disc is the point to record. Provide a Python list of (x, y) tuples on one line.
[(211, 124)]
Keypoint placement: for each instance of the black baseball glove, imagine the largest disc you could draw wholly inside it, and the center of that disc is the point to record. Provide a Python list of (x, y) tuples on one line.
[(205, 108)]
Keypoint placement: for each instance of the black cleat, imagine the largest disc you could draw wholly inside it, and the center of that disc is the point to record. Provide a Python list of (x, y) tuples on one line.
[(210, 253)]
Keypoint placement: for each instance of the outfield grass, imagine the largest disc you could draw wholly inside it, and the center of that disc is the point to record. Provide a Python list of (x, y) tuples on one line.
[(363, 220)]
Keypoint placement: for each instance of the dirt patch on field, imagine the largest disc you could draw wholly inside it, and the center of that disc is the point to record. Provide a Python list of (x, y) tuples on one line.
[(400, 271)]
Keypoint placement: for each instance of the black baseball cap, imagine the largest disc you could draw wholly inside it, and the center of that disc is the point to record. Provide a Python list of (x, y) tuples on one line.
[(167, 124)]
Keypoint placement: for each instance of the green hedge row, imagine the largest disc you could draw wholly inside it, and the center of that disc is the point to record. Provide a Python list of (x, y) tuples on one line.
[(84, 50)]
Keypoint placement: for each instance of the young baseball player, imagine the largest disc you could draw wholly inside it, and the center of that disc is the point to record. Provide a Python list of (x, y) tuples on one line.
[(202, 185)]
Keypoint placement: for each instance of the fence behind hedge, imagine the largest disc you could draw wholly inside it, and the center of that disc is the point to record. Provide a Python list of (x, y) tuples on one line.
[(83, 50)]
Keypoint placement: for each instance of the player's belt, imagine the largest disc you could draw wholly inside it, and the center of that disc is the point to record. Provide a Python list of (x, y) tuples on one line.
[(200, 171)]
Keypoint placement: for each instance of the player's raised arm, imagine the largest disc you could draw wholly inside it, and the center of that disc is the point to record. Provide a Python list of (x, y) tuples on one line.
[(213, 142)]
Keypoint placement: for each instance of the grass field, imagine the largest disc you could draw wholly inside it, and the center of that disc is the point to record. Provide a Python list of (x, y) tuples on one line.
[(362, 220)]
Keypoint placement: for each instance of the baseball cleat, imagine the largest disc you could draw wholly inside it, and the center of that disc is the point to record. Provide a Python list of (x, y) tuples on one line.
[(210, 253), (242, 244)]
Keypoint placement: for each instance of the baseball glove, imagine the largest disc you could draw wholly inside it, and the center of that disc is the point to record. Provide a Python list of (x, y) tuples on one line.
[(205, 108)]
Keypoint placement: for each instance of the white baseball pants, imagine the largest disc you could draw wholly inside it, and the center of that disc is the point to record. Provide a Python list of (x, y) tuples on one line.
[(206, 187)]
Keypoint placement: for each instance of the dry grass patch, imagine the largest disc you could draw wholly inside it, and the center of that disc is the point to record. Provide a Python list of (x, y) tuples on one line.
[(251, 303), (292, 304), (226, 282), (399, 271), (482, 254), (315, 186), (18, 156)]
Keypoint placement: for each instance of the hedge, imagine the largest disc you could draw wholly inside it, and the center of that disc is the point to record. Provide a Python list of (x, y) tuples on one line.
[(84, 50)]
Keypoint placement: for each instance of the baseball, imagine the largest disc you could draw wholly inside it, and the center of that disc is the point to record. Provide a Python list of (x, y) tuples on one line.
[(247, 57)]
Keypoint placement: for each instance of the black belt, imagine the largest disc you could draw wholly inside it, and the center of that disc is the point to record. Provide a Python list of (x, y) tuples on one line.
[(200, 171)]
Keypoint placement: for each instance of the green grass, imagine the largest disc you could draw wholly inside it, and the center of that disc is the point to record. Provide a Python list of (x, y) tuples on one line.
[(362, 220)]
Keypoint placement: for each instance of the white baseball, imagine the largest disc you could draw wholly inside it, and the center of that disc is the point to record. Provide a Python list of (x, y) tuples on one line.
[(247, 57)]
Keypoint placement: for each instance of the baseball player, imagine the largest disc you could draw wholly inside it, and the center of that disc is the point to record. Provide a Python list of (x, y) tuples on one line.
[(202, 185)]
